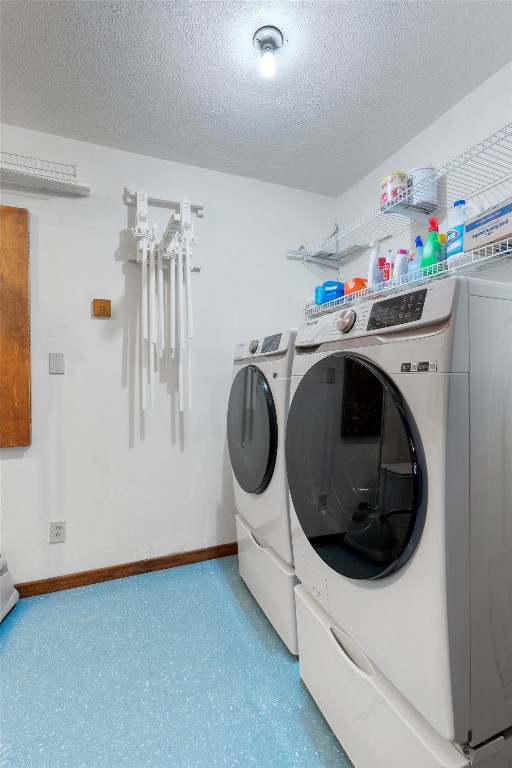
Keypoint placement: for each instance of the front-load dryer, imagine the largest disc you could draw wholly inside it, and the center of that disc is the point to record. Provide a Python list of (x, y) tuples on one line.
[(399, 462), (256, 420)]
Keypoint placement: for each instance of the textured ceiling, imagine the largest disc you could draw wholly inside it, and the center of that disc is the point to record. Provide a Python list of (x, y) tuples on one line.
[(180, 80)]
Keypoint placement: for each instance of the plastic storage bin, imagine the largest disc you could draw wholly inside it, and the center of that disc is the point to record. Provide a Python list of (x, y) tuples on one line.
[(328, 291)]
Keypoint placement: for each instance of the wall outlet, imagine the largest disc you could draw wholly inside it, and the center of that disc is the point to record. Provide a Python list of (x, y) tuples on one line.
[(57, 531)]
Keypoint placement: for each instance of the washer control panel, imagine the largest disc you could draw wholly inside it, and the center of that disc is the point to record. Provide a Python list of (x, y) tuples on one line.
[(421, 307), (397, 310)]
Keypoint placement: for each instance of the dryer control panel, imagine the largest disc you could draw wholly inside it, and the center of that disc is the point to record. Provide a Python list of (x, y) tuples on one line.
[(275, 344), (426, 305)]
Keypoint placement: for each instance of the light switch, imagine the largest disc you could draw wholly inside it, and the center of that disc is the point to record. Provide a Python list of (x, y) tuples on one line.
[(102, 307), (56, 362)]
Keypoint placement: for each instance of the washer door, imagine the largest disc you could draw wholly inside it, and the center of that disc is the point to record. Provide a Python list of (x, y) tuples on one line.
[(352, 469), (252, 430)]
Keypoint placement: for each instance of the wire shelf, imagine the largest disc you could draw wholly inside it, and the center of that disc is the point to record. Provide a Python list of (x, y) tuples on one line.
[(464, 264), (482, 167), (40, 175)]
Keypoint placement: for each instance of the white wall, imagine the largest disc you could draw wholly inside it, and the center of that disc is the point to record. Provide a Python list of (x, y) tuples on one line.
[(484, 111), (128, 487)]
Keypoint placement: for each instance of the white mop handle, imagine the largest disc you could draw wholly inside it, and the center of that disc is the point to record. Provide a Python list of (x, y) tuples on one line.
[(161, 313), (188, 273), (152, 292), (144, 282), (152, 325), (189, 377), (181, 326), (172, 301)]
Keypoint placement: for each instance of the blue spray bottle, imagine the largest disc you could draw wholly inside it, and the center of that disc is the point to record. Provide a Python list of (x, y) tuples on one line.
[(414, 268)]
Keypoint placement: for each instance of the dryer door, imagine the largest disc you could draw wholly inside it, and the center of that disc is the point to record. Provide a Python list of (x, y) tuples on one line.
[(252, 430), (352, 468)]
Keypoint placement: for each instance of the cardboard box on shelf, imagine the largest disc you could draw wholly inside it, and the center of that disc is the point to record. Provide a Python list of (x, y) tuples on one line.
[(493, 224), (355, 284)]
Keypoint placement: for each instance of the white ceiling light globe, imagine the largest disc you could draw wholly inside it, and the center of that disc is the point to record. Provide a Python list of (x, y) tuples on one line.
[(268, 64)]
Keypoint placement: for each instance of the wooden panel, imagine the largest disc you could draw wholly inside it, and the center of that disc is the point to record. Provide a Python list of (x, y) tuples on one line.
[(71, 580), (14, 328)]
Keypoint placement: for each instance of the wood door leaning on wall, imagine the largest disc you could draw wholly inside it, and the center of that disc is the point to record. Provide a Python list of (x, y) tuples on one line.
[(14, 328)]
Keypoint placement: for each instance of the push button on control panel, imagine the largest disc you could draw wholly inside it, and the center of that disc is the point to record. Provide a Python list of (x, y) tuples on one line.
[(362, 317)]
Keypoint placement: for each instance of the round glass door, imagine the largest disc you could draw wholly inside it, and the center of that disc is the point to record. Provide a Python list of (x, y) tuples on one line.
[(352, 468), (252, 430)]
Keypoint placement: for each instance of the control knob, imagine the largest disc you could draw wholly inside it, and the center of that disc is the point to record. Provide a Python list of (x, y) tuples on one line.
[(253, 346), (346, 320)]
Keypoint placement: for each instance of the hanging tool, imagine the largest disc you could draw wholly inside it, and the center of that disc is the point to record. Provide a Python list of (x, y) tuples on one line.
[(141, 234), (166, 308), (160, 301), (186, 223), (152, 321)]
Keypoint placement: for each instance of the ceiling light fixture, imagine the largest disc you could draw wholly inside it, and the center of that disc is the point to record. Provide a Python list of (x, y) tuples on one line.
[(268, 40)]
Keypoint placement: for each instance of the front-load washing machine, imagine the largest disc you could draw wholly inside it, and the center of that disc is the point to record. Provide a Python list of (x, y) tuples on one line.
[(399, 462), (257, 411)]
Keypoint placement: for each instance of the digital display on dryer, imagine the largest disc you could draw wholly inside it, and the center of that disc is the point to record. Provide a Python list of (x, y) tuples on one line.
[(271, 343), (397, 311)]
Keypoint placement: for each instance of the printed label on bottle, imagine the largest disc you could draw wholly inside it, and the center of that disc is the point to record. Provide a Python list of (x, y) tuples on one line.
[(454, 240)]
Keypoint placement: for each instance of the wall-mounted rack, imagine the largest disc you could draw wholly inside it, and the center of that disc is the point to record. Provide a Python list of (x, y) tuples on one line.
[(131, 199), (464, 264), (166, 292), (482, 167), (39, 175)]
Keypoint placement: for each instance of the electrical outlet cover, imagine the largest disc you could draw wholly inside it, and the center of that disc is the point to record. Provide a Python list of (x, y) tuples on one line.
[(56, 360), (57, 531)]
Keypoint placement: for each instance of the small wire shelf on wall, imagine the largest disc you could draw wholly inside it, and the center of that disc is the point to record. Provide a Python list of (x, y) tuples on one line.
[(38, 175), (464, 264)]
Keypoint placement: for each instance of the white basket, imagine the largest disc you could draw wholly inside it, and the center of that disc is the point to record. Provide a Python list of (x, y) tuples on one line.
[(462, 264), (40, 175)]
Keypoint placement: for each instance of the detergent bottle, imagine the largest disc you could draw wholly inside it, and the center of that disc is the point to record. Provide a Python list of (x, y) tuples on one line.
[(402, 260), (455, 234), (375, 267), (414, 266), (442, 240), (432, 252)]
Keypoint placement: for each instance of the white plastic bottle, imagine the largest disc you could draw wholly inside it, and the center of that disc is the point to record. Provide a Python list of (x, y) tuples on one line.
[(374, 270), (455, 233), (402, 260)]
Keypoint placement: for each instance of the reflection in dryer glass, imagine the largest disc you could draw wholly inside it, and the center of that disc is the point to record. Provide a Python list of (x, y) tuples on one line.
[(352, 469)]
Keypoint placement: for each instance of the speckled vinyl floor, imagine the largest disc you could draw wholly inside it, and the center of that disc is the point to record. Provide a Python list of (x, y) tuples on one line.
[(173, 669)]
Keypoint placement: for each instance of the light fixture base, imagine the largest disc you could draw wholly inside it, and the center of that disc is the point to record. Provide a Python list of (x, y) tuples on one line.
[(268, 37)]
